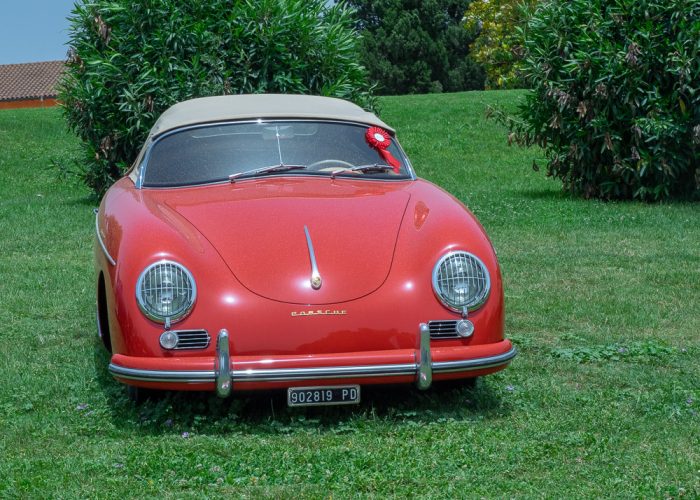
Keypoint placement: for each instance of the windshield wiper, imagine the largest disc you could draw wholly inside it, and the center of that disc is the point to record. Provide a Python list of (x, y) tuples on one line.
[(280, 167), (374, 167)]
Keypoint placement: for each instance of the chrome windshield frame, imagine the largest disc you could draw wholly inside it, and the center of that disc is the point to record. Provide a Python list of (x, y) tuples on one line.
[(143, 164)]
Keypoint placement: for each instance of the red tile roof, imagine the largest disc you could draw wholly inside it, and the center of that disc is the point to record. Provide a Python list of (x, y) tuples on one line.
[(29, 80)]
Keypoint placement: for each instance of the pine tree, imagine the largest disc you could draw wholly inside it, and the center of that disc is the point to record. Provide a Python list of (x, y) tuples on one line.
[(417, 46)]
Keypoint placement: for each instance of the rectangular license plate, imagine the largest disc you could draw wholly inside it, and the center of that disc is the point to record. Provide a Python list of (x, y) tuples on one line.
[(321, 396)]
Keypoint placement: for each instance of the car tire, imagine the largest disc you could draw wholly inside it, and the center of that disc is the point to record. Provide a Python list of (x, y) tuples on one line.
[(102, 315)]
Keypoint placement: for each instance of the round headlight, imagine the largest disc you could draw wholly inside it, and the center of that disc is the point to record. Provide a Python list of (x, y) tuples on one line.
[(461, 280), (166, 290)]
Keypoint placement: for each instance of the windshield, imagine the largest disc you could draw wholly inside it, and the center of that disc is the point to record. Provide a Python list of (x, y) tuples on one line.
[(218, 153)]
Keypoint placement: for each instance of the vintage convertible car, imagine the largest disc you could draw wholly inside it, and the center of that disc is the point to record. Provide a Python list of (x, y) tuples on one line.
[(284, 242)]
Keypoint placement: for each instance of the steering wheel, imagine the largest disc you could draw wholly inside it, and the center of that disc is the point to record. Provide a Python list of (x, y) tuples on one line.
[(320, 163)]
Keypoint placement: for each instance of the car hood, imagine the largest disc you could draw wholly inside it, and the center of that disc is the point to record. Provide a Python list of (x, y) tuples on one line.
[(258, 229)]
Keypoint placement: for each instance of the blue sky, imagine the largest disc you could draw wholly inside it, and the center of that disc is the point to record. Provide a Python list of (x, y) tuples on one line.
[(33, 30)]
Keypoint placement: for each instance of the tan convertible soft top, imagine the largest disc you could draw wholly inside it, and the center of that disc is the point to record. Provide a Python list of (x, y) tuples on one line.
[(254, 106)]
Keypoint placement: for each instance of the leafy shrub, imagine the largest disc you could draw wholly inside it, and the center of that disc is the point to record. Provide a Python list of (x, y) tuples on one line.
[(129, 61), (616, 96), (498, 47), (417, 46)]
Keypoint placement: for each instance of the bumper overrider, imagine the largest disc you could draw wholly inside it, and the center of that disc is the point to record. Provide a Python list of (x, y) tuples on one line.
[(417, 364)]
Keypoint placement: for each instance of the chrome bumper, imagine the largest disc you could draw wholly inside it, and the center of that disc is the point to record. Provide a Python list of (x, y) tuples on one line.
[(224, 377)]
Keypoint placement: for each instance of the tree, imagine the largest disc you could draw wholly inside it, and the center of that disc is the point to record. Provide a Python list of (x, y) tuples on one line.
[(417, 46), (498, 43), (615, 99), (129, 61)]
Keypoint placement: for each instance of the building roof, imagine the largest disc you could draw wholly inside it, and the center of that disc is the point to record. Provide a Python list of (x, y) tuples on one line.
[(29, 80), (254, 106)]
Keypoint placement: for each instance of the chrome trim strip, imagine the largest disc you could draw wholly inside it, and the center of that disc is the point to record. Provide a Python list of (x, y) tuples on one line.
[(316, 280), (474, 364), (187, 377), (292, 374), (424, 364), (142, 166), (99, 238), (268, 375), (283, 374), (222, 369)]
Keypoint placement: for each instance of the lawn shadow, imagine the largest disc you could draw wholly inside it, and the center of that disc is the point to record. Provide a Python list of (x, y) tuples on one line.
[(168, 413), (562, 195), (84, 201), (545, 194)]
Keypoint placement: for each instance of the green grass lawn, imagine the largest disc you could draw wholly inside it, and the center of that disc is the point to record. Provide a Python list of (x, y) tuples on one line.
[(603, 301)]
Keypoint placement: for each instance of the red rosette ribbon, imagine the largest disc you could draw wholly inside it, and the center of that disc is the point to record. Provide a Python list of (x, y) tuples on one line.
[(380, 140)]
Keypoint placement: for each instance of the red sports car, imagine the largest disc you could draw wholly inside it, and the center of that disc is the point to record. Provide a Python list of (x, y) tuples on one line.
[(285, 242)]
